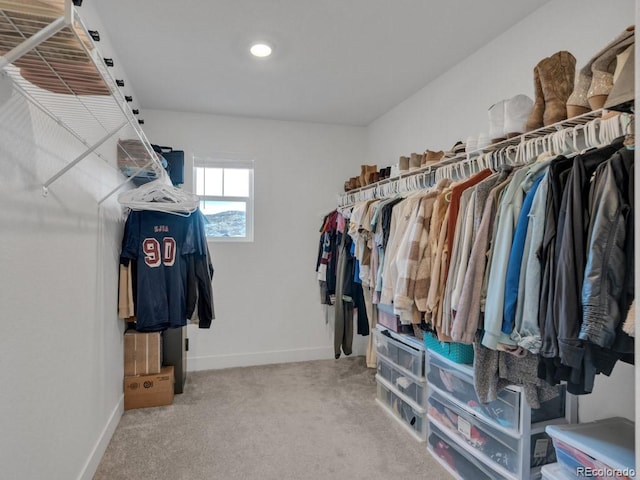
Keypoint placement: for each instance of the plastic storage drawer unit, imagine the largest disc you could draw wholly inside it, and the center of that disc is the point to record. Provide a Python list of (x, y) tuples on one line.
[(603, 449), (400, 354), (409, 414), (456, 382), (491, 446), (455, 459), (414, 389)]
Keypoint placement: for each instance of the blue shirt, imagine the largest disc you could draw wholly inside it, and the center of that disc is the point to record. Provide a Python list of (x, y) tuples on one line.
[(515, 260), (159, 242)]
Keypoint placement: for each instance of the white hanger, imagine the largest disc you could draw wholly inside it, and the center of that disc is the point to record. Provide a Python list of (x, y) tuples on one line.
[(575, 132), (610, 129), (591, 133), (160, 196)]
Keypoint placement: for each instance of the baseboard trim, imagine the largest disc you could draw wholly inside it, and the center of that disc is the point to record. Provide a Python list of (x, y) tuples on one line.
[(90, 467), (216, 362)]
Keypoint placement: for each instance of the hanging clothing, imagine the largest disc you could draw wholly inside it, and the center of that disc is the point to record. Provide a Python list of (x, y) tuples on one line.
[(343, 323), (604, 298), (159, 243), (526, 332), (200, 304), (557, 174), (529, 263), (413, 282), (404, 214), (572, 253), (512, 280), (471, 305)]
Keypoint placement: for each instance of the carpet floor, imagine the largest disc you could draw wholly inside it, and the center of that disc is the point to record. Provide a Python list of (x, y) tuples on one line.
[(310, 420)]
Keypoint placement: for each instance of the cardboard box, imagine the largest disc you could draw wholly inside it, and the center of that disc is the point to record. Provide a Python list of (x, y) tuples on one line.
[(144, 391), (142, 353)]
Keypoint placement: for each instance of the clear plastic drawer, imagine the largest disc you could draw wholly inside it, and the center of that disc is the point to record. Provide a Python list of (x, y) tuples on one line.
[(401, 355), (490, 445), (406, 384), (456, 460), (455, 382), (409, 415)]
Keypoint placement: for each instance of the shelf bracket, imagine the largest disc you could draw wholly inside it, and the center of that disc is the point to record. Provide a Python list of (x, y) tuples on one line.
[(72, 164)]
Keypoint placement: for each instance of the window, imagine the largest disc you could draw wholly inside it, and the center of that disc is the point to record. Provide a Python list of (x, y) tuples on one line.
[(225, 188)]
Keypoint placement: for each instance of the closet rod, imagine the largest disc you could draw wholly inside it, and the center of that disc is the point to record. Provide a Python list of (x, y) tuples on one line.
[(496, 148), (73, 163)]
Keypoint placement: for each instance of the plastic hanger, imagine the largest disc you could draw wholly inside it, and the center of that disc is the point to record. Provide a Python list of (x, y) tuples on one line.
[(159, 195)]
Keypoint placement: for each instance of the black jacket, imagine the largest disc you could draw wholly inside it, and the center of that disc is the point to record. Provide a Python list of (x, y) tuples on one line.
[(571, 251), (605, 293), (557, 176)]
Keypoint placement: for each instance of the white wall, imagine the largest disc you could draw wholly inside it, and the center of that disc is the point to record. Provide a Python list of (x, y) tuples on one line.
[(266, 294), (455, 105), (61, 346)]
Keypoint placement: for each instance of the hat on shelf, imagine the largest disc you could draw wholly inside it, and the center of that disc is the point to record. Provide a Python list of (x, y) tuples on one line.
[(457, 149)]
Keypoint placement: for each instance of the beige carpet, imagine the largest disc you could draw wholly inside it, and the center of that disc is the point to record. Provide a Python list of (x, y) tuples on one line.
[(311, 420)]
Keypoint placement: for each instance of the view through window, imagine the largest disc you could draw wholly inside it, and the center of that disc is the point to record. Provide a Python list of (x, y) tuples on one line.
[(225, 188)]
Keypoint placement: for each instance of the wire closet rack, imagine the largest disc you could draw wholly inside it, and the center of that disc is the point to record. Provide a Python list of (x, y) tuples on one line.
[(53, 61), (585, 131)]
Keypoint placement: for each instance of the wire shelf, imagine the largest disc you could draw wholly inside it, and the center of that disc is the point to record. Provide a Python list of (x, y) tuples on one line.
[(53, 61), (421, 177)]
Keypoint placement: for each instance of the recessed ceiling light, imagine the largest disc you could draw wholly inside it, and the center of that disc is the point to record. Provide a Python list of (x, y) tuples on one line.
[(260, 50)]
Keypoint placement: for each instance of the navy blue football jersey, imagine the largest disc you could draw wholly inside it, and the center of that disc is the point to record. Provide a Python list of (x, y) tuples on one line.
[(159, 243)]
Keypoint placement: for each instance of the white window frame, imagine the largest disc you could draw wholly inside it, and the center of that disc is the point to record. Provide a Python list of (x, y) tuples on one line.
[(226, 161)]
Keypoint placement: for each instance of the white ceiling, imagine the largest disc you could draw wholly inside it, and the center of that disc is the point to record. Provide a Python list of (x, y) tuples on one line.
[(334, 61)]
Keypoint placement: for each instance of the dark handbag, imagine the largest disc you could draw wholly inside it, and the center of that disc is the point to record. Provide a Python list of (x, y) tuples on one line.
[(175, 163)]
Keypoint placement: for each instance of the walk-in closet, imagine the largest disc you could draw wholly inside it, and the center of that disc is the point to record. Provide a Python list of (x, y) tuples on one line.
[(301, 240)]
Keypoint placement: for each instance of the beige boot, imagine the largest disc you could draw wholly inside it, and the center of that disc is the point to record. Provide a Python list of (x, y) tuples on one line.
[(414, 161), (622, 94), (603, 69), (535, 117), (430, 158), (365, 173), (403, 165), (556, 78), (578, 102)]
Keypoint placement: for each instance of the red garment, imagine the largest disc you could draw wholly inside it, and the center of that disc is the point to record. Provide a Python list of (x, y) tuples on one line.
[(454, 206)]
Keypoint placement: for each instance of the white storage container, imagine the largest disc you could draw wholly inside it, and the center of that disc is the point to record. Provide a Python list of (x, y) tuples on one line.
[(403, 409), (400, 354), (555, 471), (456, 460), (493, 447), (604, 447), (455, 382), (403, 382)]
